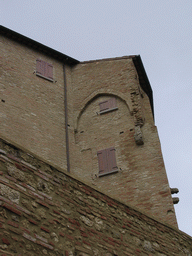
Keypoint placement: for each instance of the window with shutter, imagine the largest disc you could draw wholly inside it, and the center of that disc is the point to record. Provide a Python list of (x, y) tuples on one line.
[(108, 105), (44, 69), (107, 161)]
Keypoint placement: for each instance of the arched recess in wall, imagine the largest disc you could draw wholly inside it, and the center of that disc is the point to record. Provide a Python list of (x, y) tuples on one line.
[(97, 130), (97, 94)]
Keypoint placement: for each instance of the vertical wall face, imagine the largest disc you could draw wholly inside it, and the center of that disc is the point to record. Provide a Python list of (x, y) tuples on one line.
[(106, 108), (46, 212), (137, 175), (31, 107)]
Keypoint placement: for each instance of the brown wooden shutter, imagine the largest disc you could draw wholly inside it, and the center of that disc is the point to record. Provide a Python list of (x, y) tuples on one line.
[(112, 103), (40, 67), (111, 159), (104, 105), (44, 69), (107, 161), (102, 159), (49, 71), (108, 104)]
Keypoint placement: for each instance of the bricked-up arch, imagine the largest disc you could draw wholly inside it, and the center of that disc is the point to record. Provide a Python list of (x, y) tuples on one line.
[(102, 92), (97, 131)]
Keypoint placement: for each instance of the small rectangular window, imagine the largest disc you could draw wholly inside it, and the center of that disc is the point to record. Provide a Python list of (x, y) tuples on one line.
[(44, 69), (108, 105), (107, 161)]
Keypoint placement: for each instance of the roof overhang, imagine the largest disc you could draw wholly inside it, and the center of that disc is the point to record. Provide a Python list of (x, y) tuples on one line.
[(143, 79), (37, 46)]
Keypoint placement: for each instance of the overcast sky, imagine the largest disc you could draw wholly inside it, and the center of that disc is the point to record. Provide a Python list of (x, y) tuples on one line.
[(160, 31)]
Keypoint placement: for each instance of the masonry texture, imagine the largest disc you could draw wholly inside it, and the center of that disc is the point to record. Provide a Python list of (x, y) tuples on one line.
[(82, 171), (46, 212), (139, 165), (32, 110)]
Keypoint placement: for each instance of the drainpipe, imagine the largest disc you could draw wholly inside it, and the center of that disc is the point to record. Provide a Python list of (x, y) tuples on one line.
[(66, 119)]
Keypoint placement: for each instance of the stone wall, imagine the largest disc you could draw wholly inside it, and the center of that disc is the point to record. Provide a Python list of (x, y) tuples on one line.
[(44, 211)]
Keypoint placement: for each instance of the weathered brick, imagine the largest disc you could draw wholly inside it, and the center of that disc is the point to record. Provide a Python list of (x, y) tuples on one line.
[(36, 195), (27, 186), (42, 176), (41, 238), (27, 236), (15, 238), (56, 212), (57, 221), (20, 188), (56, 180), (14, 224), (46, 174), (22, 209), (15, 230), (45, 245), (28, 166), (5, 241), (49, 202), (45, 195), (12, 209), (61, 234), (42, 203), (26, 230), (84, 234), (45, 229), (19, 166), (32, 221), (69, 237), (52, 221), (54, 183), (4, 180), (51, 243), (2, 152), (12, 157)]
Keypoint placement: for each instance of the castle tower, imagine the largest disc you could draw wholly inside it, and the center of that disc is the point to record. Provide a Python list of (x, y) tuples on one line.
[(93, 119)]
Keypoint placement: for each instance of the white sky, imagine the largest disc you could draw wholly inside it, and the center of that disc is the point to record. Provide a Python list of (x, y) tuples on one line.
[(160, 31)]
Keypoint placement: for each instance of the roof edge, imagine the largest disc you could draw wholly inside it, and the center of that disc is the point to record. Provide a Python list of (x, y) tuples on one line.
[(36, 45), (108, 59), (143, 79)]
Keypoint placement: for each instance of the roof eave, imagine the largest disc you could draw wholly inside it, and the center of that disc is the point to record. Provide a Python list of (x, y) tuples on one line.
[(143, 79), (37, 46)]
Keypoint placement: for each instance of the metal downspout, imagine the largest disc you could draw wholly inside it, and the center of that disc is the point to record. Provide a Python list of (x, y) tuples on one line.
[(66, 119)]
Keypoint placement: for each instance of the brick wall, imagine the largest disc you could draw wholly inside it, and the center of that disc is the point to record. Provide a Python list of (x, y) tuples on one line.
[(33, 115), (141, 179), (46, 212), (32, 108)]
